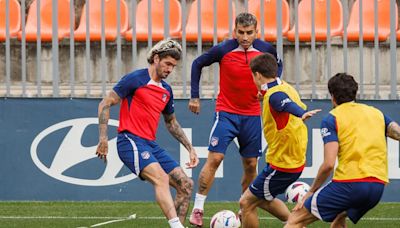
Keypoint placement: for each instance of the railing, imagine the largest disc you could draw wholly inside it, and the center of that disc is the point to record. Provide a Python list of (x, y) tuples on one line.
[(75, 65)]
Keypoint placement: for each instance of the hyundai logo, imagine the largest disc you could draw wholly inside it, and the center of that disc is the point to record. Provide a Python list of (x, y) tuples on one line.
[(71, 152)]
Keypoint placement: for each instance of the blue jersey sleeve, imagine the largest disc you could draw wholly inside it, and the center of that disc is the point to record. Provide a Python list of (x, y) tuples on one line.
[(328, 129), (211, 56), (127, 85), (388, 120), (170, 107), (281, 102)]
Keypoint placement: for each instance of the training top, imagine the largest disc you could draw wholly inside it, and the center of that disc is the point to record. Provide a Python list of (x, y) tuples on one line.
[(360, 131), (284, 130), (143, 100), (238, 93)]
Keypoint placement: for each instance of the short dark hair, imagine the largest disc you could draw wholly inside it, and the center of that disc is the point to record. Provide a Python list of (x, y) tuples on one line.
[(246, 19), (265, 64), (343, 88), (165, 48)]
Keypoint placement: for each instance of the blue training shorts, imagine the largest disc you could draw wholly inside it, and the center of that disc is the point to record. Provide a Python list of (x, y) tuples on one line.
[(357, 198), (137, 153), (227, 126), (270, 183)]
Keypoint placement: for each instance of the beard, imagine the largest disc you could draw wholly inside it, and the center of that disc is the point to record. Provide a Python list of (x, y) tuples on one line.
[(160, 73)]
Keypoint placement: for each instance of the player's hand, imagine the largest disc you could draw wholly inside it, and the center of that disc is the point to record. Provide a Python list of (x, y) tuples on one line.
[(260, 96), (309, 114), (300, 203), (102, 150), (194, 160), (194, 105)]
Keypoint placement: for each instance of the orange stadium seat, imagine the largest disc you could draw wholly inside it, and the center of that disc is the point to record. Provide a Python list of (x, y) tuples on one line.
[(110, 21), (14, 19), (353, 28), (207, 20), (157, 20), (305, 23), (46, 21), (270, 23)]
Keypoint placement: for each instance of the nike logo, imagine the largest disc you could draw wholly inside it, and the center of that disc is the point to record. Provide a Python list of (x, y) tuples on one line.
[(252, 186)]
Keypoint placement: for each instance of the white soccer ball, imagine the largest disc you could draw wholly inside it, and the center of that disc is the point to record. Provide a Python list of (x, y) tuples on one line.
[(225, 219), (296, 191)]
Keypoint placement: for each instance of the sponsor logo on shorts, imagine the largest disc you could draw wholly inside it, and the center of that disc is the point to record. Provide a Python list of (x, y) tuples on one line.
[(145, 155), (214, 141), (253, 187)]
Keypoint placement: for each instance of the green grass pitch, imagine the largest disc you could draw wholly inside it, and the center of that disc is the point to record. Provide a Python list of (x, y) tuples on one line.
[(115, 214)]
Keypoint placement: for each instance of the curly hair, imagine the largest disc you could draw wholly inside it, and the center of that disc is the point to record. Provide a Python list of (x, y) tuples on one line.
[(163, 49), (343, 88)]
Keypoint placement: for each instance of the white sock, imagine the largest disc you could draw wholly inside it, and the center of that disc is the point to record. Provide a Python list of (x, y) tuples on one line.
[(175, 223), (199, 201)]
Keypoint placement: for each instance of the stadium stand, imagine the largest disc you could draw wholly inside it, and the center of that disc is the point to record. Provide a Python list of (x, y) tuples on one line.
[(270, 13), (353, 28), (46, 21), (305, 22), (157, 20), (207, 20), (14, 18), (110, 21)]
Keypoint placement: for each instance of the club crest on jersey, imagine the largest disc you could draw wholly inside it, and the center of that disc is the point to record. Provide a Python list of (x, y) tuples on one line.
[(164, 97), (214, 141), (145, 155)]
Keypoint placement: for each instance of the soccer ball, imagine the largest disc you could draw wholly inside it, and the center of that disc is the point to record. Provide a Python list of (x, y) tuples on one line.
[(225, 219), (296, 191)]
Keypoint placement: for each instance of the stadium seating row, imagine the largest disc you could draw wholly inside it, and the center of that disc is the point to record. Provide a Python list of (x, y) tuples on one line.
[(207, 26)]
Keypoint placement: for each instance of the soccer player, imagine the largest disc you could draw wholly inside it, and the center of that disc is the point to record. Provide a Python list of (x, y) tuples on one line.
[(355, 134), (144, 95), (286, 134), (237, 107)]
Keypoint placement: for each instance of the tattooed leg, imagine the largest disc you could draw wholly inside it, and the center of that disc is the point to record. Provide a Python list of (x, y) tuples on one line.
[(184, 186)]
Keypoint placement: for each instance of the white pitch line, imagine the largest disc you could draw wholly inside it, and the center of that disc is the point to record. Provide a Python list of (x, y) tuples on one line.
[(133, 216), (151, 218)]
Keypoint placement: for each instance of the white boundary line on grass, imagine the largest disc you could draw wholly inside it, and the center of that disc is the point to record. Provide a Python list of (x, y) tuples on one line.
[(151, 218), (133, 216)]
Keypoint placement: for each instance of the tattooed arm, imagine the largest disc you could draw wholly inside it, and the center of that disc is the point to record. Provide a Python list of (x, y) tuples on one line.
[(393, 131), (104, 115), (176, 130)]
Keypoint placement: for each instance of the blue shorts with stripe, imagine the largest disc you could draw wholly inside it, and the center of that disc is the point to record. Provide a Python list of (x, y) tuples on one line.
[(228, 126), (356, 198), (137, 153), (270, 183)]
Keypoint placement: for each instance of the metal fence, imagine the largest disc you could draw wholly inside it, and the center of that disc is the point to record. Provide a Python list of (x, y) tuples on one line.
[(379, 81)]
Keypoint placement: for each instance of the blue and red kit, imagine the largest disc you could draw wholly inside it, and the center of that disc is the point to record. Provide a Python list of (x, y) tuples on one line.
[(238, 93), (143, 100)]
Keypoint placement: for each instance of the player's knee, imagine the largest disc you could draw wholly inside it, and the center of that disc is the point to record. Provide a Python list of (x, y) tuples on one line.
[(244, 203), (213, 164), (186, 186), (292, 221), (163, 179), (250, 166)]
